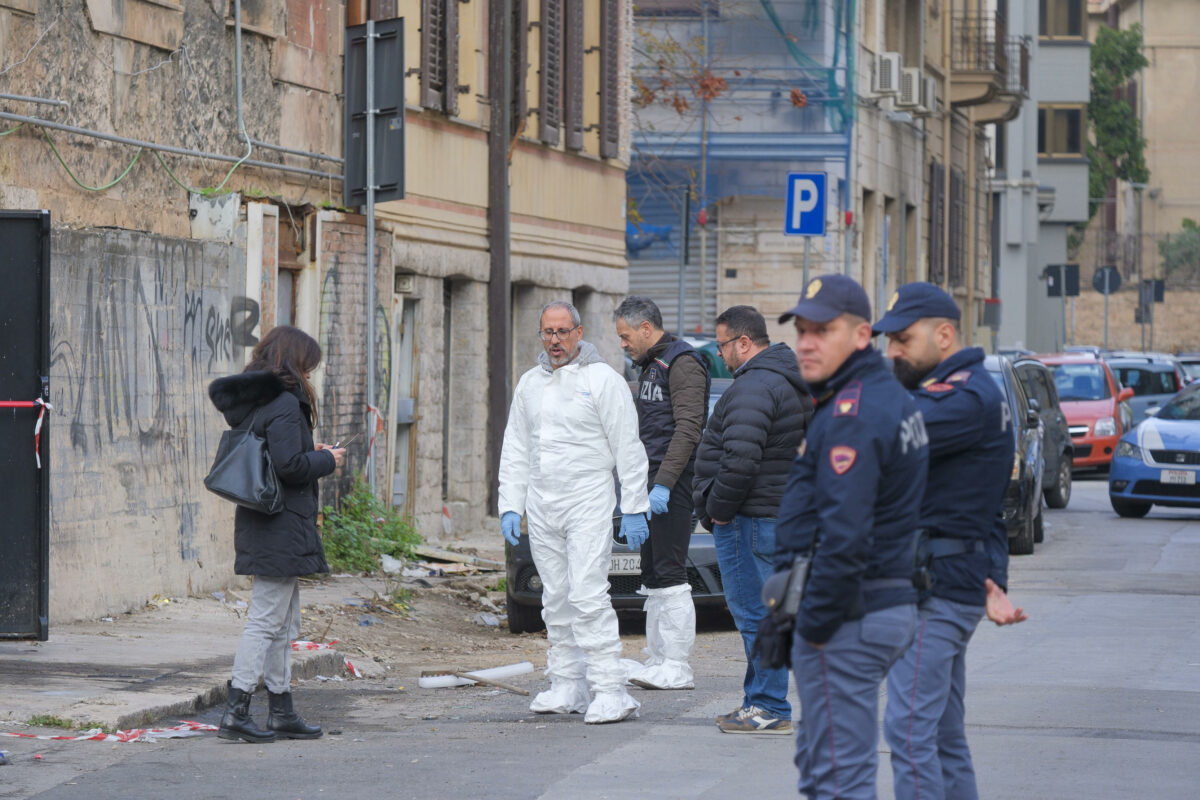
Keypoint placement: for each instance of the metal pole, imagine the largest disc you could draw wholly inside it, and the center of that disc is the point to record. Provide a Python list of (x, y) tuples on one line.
[(683, 252), (371, 113), (164, 148), (1062, 284), (703, 173), (499, 290), (807, 252), (1106, 290)]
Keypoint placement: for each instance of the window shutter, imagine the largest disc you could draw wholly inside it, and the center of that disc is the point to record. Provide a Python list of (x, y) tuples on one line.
[(439, 55), (450, 57), (433, 54), (573, 74), (958, 233), (520, 62), (610, 87), (936, 216), (550, 85)]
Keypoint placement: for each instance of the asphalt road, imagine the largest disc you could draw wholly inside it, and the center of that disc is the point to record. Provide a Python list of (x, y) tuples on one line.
[(1097, 696)]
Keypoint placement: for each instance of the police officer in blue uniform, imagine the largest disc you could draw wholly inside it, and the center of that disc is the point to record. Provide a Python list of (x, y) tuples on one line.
[(963, 535), (851, 506)]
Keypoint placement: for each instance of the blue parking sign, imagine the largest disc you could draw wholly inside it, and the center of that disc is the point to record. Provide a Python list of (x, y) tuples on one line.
[(805, 213)]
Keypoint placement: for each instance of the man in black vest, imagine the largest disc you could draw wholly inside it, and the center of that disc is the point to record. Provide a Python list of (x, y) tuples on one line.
[(672, 404)]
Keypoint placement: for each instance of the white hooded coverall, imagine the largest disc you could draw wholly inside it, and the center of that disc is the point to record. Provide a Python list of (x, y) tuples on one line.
[(567, 429)]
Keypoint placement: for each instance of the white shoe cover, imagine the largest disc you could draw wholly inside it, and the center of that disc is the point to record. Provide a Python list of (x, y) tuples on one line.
[(611, 707), (563, 697), (670, 635)]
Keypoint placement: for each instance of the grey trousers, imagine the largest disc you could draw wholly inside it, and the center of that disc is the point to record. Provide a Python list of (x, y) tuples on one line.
[(265, 651)]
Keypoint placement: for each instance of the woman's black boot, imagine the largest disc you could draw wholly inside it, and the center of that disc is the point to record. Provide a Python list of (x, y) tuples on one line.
[(283, 720), (236, 722)]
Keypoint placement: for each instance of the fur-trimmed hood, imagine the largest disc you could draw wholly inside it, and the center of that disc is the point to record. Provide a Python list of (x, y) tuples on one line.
[(236, 396)]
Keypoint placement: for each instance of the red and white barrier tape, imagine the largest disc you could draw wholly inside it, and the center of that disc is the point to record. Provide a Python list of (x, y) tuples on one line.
[(380, 426), (37, 428), (184, 729), (304, 644)]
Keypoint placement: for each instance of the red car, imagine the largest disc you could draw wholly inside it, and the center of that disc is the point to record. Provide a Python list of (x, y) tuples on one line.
[(1094, 404)]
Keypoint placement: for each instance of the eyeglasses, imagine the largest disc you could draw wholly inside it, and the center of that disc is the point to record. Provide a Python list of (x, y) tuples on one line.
[(721, 344), (549, 333)]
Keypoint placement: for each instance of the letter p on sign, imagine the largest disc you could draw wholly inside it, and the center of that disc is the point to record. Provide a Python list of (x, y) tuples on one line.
[(805, 213)]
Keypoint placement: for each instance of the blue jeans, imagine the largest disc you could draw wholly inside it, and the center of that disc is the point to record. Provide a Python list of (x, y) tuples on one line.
[(745, 549), (923, 723), (837, 740)]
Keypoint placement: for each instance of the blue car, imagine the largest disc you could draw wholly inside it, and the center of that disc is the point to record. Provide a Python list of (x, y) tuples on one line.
[(1157, 462)]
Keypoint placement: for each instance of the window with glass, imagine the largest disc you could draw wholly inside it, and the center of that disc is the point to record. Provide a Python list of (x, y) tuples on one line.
[(1147, 381), (1061, 131), (1080, 382), (1061, 19), (1184, 406)]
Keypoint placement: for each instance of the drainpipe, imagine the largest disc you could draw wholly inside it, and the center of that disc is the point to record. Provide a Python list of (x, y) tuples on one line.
[(237, 68), (947, 148), (852, 104), (972, 240)]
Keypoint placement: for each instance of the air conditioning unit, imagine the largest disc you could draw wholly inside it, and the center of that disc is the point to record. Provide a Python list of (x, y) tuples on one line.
[(910, 88), (929, 96), (887, 74)]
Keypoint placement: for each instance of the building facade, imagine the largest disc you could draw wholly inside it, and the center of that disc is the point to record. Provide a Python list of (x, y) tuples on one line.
[(195, 195), (888, 98), (1041, 176)]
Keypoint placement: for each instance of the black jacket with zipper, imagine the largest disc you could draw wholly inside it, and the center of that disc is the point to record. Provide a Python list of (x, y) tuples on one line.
[(286, 544), (751, 438)]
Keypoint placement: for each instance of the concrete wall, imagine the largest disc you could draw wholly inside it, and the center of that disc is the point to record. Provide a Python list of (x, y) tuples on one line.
[(1063, 71), (139, 326)]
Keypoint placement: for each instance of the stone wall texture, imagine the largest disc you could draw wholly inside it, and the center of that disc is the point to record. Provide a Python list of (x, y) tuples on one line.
[(140, 325)]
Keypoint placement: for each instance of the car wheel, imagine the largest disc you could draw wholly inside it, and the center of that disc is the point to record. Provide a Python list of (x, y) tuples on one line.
[(1129, 508), (521, 618), (1060, 494), (1022, 543), (1039, 527)]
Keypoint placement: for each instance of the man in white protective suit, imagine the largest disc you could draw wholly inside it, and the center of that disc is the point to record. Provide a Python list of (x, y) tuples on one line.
[(573, 421)]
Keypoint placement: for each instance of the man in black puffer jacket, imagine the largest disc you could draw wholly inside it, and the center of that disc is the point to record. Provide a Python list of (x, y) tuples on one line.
[(742, 468)]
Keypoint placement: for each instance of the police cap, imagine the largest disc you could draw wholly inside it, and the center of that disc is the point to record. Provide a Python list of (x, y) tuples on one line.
[(828, 297), (914, 301)]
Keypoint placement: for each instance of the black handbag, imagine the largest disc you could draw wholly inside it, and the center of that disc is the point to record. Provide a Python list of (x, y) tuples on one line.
[(243, 473)]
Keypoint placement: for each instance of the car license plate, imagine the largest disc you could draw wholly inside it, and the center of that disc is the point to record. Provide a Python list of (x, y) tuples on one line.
[(1179, 476), (625, 564)]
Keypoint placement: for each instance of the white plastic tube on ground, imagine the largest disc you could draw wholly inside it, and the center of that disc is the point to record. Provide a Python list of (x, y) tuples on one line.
[(494, 673)]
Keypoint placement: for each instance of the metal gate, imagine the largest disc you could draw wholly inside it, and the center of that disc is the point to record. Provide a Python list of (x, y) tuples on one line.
[(24, 429)]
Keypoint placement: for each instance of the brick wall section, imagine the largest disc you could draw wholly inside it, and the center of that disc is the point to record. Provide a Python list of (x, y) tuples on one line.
[(139, 326), (343, 337)]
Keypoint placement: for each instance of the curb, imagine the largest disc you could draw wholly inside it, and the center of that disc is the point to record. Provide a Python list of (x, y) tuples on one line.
[(328, 663)]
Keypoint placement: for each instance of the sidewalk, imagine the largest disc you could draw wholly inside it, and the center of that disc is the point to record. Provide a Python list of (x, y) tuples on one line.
[(169, 660)]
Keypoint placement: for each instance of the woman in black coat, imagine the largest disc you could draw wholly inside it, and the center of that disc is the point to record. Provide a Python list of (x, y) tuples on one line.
[(274, 398)]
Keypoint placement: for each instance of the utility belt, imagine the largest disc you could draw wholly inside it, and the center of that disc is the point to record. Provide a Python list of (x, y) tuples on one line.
[(783, 591), (929, 548)]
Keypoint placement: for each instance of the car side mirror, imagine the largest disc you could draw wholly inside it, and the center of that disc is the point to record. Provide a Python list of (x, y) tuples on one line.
[(1124, 394), (1152, 410)]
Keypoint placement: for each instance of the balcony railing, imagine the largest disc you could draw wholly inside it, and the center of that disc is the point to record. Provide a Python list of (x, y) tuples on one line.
[(978, 43), (1017, 77)]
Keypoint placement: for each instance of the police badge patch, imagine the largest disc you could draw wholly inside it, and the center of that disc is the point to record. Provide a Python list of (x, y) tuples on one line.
[(841, 458)]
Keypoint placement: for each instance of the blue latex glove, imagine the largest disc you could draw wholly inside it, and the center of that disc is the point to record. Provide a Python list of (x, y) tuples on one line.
[(659, 497), (634, 530), (510, 526)]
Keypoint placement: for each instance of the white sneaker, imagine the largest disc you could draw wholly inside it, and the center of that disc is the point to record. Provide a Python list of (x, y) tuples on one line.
[(611, 707), (563, 697)]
